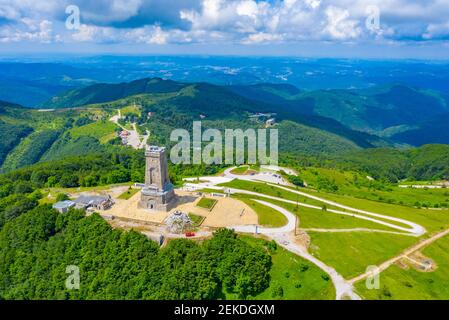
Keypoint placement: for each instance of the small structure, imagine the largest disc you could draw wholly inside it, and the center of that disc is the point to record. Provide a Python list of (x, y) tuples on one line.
[(63, 206), (178, 222), (124, 134), (94, 202), (270, 122), (202, 116)]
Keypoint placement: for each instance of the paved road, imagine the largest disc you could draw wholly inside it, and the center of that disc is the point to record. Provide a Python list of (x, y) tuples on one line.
[(134, 139), (284, 236), (405, 231), (414, 229), (259, 177)]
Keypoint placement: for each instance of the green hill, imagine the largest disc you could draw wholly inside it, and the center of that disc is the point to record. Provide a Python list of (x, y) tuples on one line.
[(30, 150), (215, 102), (11, 136), (434, 130), (104, 92), (429, 162), (376, 110), (164, 105)]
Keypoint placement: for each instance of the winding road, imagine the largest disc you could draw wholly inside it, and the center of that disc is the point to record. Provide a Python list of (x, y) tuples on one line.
[(284, 235)]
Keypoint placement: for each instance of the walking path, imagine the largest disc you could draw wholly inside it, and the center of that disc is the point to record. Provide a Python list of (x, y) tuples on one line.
[(415, 228), (405, 254), (284, 235)]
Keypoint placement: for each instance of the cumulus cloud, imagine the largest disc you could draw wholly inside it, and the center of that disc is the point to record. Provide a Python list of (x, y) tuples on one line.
[(29, 30), (159, 22), (339, 25)]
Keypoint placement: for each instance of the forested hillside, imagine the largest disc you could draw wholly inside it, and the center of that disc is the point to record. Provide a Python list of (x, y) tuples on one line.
[(109, 92), (33, 136), (403, 113), (11, 136), (38, 246), (429, 162), (216, 102)]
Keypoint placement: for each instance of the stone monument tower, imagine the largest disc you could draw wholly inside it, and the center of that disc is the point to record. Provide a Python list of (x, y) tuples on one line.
[(158, 194)]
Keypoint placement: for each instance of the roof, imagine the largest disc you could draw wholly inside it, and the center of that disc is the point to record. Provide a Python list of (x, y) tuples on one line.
[(63, 204), (95, 200)]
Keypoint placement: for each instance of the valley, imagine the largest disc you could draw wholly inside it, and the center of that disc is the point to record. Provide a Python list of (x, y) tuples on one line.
[(338, 204)]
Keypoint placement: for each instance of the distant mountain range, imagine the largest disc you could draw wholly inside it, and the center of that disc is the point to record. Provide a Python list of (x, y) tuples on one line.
[(32, 81), (369, 117), (325, 123)]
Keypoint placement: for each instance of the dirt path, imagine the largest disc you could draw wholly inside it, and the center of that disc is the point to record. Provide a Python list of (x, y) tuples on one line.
[(404, 254), (343, 289)]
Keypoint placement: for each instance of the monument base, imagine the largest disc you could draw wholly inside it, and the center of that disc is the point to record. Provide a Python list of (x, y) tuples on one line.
[(155, 200)]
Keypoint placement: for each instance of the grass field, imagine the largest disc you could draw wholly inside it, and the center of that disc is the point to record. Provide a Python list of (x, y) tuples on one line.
[(432, 220), (350, 253), (297, 278), (404, 212), (318, 218), (268, 217), (356, 185), (313, 218), (240, 170), (196, 219), (128, 194), (206, 203), (245, 169), (131, 109), (270, 191), (399, 284), (102, 130)]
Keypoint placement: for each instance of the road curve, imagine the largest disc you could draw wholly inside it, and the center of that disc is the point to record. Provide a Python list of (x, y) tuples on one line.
[(406, 231), (282, 236), (415, 228)]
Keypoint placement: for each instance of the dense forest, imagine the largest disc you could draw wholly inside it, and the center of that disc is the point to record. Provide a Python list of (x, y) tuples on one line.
[(38, 246)]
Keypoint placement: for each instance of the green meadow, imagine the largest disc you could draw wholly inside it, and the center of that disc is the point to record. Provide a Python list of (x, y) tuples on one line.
[(399, 284), (268, 217), (102, 130), (292, 277), (350, 253)]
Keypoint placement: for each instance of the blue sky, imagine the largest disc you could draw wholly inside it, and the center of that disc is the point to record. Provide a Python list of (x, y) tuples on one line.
[(323, 28)]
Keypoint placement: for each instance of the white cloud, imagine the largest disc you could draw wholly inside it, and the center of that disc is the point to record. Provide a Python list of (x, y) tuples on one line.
[(339, 25), (262, 37), (31, 30), (234, 21), (149, 35), (435, 31)]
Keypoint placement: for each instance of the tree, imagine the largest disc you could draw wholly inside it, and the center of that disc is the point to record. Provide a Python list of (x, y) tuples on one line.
[(62, 197)]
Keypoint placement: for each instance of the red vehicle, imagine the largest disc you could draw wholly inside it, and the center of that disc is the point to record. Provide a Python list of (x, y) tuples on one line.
[(190, 234)]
